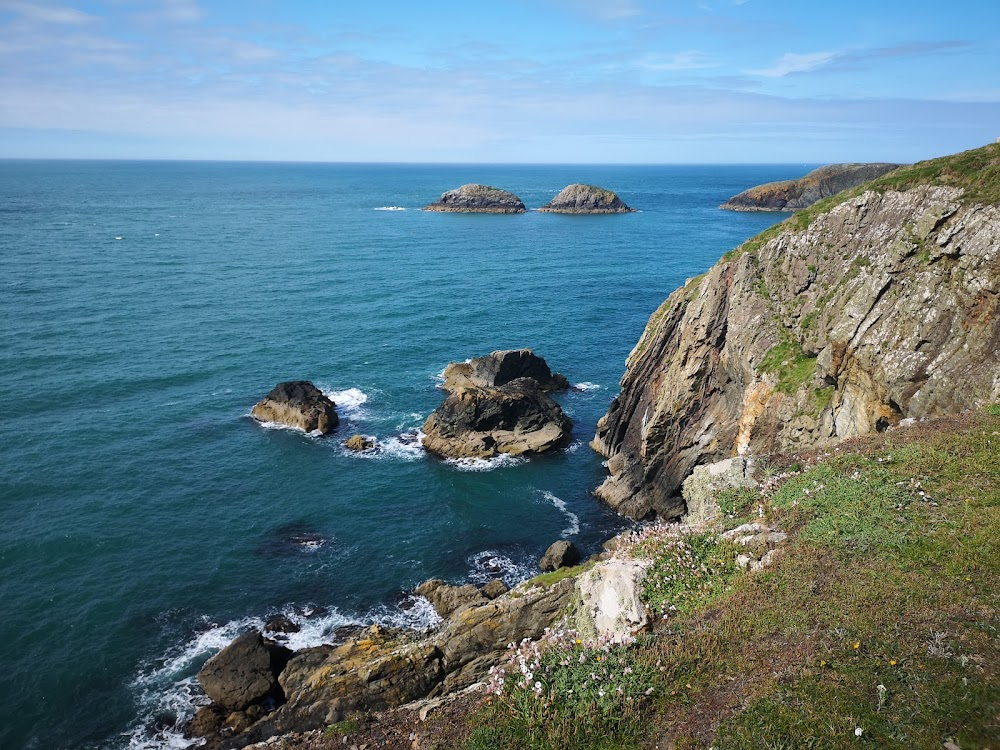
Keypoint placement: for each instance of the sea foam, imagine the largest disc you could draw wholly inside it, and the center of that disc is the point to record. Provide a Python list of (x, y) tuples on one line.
[(573, 518)]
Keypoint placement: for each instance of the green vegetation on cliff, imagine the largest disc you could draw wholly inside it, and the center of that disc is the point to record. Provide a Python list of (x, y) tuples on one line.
[(976, 171), (879, 626)]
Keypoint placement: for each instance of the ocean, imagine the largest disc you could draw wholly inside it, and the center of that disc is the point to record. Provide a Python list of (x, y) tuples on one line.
[(145, 519)]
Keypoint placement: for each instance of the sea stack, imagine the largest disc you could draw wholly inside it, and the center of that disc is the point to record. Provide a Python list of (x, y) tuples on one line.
[(480, 199), (501, 367), (299, 404), (517, 418), (792, 195), (586, 199)]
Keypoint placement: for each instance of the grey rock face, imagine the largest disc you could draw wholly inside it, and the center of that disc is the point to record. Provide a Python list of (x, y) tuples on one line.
[(474, 198), (561, 554), (501, 367), (700, 490), (300, 404), (791, 195), (885, 307), (586, 199), (516, 418), (245, 672)]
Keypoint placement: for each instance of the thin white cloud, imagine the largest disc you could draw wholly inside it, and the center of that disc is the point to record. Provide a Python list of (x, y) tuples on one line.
[(792, 62), (686, 60), (54, 14), (606, 10)]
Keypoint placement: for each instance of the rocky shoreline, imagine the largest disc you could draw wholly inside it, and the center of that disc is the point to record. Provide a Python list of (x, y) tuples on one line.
[(868, 315)]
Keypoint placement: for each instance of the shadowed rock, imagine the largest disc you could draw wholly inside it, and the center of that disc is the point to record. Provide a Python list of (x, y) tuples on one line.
[(299, 404), (501, 367), (516, 418), (244, 672), (482, 199), (561, 554)]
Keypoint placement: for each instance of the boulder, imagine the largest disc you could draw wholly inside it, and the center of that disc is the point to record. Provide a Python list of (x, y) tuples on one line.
[(516, 419), (561, 554), (474, 198), (359, 443), (280, 624), (701, 489), (586, 199), (244, 672), (494, 588), (609, 600), (448, 599), (791, 195), (299, 404), (501, 367)]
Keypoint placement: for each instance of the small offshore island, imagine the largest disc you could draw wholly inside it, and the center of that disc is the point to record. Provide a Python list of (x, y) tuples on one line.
[(823, 404), (480, 199)]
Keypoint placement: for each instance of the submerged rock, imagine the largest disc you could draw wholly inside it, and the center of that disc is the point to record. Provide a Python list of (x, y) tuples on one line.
[(586, 199), (299, 404), (517, 418), (359, 443), (475, 198), (882, 308), (791, 195), (501, 367)]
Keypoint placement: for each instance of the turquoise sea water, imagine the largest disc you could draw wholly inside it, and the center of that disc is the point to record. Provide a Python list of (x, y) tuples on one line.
[(144, 308)]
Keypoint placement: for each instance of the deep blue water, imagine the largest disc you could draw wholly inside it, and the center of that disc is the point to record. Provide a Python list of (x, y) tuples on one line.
[(144, 308)]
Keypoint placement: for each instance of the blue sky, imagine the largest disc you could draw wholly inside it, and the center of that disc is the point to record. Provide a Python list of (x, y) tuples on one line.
[(574, 81)]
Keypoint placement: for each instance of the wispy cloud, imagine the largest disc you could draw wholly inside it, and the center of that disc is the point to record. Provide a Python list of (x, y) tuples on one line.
[(52, 14), (792, 62), (686, 60)]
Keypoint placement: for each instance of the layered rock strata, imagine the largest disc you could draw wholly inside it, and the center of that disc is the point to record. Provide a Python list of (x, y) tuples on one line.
[(299, 404), (475, 198), (833, 324), (586, 199), (501, 367), (791, 195), (516, 418)]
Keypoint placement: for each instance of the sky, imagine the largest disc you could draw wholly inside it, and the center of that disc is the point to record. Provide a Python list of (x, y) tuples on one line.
[(541, 81)]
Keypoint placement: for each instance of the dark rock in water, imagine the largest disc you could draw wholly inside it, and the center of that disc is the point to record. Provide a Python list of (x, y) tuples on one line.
[(586, 199), (478, 199), (791, 195), (291, 539), (359, 443), (280, 624), (494, 588), (244, 672), (516, 418), (501, 367), (446, 599), (299, 404), (561, 554)]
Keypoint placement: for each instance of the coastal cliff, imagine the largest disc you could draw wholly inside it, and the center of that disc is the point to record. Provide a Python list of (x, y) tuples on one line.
[(792, 195), (877, 305)]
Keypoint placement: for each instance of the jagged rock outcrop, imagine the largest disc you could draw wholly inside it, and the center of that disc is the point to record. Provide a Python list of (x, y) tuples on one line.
[(833, 324), (586, 199), (299, 404), (244, 672), (560, 554), (702, 488), (791, 195), (481, 199), (360, 443), (517, 418), (501, 367)]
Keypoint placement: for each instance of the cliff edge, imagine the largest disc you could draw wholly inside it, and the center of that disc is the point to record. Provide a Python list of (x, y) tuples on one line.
[(792, 195), (877, 305)]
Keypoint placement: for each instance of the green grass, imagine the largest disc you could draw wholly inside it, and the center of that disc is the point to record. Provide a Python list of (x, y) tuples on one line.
[(687, 572), (548, 579), (343, 728), (793, 366), (888, 579)]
